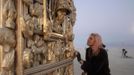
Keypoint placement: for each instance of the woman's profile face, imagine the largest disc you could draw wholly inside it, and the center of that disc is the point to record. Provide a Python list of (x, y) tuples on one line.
[(91, 41)]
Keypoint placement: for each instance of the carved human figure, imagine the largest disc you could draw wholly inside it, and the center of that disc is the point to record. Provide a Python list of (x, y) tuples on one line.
[(61, 12), (9, 14), (7, 40)]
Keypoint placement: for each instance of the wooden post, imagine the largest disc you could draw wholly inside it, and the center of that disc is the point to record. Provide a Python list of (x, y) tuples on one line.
[(19, 46), (0, 13), (1, 50), (45, 26)]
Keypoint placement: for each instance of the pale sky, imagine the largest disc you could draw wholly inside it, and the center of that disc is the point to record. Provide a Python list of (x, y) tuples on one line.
[(112, 19)]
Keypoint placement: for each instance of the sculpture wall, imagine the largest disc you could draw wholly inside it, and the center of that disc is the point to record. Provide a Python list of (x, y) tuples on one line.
[(46, 34)]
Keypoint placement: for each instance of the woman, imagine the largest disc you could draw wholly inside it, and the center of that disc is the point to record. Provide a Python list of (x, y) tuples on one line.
[(96, 62)]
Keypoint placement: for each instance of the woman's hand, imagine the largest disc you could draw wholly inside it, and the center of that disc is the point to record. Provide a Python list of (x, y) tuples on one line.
[(81, 62), (79, 57)]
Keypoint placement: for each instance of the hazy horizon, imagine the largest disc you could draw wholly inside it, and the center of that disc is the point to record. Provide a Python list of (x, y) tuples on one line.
[(112, 19)]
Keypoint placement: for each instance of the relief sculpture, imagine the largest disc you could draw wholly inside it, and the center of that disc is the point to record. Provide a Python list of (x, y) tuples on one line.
[(42, 44), (8, 38)]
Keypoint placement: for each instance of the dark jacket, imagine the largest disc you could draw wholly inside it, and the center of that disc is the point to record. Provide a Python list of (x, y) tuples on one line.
[(96, 65)]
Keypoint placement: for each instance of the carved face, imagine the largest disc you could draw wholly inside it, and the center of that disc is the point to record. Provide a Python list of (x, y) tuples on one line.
[(61, 14)]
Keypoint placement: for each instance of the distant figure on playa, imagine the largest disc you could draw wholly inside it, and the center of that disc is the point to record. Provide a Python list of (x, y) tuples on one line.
[(96, 62), (124, 52)]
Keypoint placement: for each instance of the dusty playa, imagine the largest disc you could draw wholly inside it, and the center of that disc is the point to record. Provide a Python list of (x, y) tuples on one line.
[(118, 64)]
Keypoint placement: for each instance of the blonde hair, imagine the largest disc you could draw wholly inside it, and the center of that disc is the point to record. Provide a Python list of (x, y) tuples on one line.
[(98, 42)]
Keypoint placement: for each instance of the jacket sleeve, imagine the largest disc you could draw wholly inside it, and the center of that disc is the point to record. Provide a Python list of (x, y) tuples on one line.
[(106, 63), (104, 66), (86, 64)]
